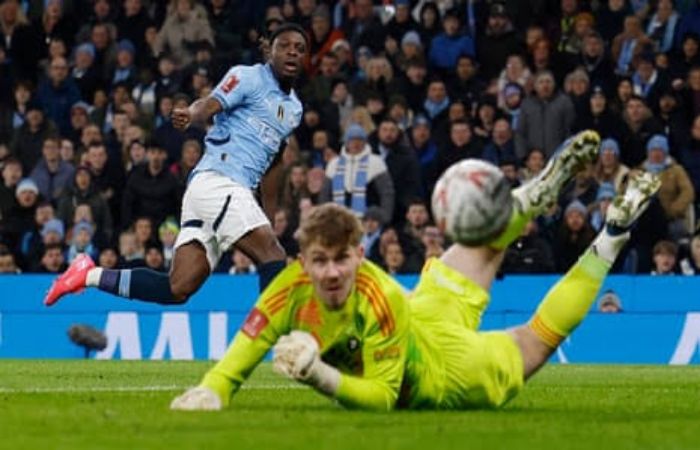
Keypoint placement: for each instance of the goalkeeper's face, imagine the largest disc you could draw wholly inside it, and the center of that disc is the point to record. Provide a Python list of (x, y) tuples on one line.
[(332, 271)]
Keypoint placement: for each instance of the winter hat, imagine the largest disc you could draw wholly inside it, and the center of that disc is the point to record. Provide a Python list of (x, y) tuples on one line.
[(53, 225), (27, 185), (658, 141), (610, 144), (355, 131), (606, 191), (576, 205)]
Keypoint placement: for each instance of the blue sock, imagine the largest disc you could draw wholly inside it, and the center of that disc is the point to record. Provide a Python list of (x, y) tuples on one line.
[(268, 271), (138, 284)]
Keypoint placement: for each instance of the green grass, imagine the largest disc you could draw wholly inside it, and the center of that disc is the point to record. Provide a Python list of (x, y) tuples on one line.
[(112, 404)]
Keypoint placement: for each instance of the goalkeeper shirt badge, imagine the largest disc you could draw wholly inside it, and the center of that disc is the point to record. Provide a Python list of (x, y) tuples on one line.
[(255, 323)]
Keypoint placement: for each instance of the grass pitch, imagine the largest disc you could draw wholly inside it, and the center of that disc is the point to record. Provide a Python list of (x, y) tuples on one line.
[(124, 405)]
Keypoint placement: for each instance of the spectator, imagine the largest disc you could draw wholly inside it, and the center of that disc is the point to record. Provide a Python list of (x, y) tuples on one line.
[(13, 112), (82, 192), (447, 46), (190, 156), (379, 82), (628, 45), (319, 88), (596, 62), (605, 195), (322, 38), (682, 62), (534, 163), (610, 303), (509, 167), (529, 254), (433, 242), (575, 234), (611, 18), (21, 217), (515, 72), (18, 43), (132, 25), (597, 116), (583, 187), (172, 139), (402, 164), (130, 250), (648, 82), (107, 180), (501, 145), (545, 118), (372, 225), (676, 193), (662, 26), (29, 138), (183, 27), (167, 234), (52, 175), (31, 245), (462, 145), (52, 260), (464, 84), (414, 85), (674, 121), (81, 241), (364, 29), (293, 190), (640, 126), (154, 256), (58, 93), (136, 153), (609, 169), (394, 259), (7, 262), (665, 256), (125, 70), (358, 178), (109, 258), (498, 41), (690, 265), (429, 22), (402, 23), (426, 151), (411, 49)]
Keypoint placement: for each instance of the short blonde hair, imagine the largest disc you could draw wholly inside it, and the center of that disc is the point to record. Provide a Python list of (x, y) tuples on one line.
[(331, 225)]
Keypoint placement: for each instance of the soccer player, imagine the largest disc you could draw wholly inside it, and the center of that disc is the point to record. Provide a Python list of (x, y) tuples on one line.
[(255, 109), (341, 325)]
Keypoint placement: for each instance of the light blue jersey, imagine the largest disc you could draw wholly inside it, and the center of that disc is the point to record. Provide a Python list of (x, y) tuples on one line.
[(257, 116)]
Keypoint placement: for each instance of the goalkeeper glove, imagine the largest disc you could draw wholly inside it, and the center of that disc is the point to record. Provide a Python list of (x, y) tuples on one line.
[(297, 357)]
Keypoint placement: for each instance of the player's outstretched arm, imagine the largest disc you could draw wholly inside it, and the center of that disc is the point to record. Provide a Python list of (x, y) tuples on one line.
[(198, 112)]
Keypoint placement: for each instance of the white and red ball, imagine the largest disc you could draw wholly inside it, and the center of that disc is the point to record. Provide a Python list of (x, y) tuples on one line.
[(472, 202)]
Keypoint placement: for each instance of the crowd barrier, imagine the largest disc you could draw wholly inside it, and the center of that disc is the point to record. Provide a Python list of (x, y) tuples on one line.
[(660, 322)]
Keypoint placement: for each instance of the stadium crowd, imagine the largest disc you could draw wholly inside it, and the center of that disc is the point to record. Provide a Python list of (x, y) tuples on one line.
[(393, 94)]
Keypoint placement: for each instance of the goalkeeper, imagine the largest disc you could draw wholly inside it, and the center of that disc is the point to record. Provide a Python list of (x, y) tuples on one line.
[(343, 326)]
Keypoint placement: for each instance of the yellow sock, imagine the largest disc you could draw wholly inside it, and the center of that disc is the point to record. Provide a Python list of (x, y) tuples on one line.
[(219, 384), (515, 227), (568, 302)]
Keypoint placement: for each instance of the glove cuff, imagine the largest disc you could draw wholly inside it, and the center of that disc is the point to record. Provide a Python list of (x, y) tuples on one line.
[(324, 377)]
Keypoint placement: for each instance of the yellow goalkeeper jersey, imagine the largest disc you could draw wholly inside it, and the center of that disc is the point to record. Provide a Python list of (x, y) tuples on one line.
[(366, 340)]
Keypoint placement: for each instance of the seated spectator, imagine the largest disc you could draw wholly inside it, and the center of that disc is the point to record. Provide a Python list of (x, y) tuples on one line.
[(606, 192), (29, 137), (167, 234), (394, 259), (420, 137), (284, 230), (509, 167), (515, 72), (358, 178), (58, 93), (7, 262), (322, 37), (21, 217), (609, 303), (184, 26), (598, 116), (125, 70), (144, 232), (293, 189), (191, 154), (462, 144), (242, 265), (676, 193), (609, 169), (83, 192), (11, 175), (649, 82), (665, 256), (52, 260), (497, 42), (154, 256), (535, 161), (575, 234), (31, 245), (628, 45), (529, 253), (662, 26), (131, 252), (81, 242), (109, 258), (639, 126)]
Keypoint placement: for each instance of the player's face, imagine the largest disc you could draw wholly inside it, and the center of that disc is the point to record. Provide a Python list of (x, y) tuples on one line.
[(332, 271), (288, 51)]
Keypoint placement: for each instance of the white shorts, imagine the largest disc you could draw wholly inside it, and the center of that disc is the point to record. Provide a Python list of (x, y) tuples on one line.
[(217, 212)]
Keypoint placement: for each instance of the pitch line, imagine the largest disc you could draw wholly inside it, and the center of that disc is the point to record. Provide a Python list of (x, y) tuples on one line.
[(155, 388)]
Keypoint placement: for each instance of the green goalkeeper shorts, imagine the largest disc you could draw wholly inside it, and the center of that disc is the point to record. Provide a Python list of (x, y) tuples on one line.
[(453, 366)]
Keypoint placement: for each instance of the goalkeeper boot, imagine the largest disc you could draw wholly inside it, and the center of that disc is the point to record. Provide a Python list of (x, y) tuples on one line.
[(197, 399), (626, 208), (72, 280), (540, 193)]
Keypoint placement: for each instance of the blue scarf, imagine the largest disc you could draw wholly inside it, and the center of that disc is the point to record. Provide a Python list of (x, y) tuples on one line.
[(433, 109), (657, 168), (358, 196), (667, 41), (625, 58)]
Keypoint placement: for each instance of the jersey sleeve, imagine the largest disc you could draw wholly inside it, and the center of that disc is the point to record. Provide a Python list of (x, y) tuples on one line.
[(238, 84), (266, 322), (384, 348)]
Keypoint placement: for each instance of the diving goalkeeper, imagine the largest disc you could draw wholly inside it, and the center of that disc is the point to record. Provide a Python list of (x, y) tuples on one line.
[(343, 326)]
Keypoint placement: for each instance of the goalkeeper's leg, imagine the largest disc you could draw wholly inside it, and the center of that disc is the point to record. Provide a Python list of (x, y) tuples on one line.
[(480, 264), (568, 302)]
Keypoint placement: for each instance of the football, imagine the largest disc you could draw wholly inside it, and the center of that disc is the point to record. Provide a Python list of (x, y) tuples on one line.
[(472, 202)]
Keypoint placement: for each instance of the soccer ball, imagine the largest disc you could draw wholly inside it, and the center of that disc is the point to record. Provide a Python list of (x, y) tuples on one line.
[(472, 202)]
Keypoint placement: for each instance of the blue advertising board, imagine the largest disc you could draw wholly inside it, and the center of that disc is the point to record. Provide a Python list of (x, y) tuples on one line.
[(660, 322)]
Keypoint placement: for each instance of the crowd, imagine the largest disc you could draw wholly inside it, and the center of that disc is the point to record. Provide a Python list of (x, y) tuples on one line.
[(393, 94)]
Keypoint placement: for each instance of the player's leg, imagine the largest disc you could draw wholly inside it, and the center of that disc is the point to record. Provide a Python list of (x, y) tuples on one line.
[(537, 195), (568, 302), (262, 246)]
